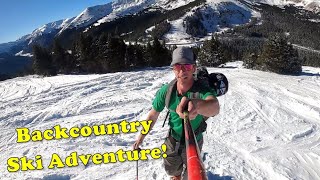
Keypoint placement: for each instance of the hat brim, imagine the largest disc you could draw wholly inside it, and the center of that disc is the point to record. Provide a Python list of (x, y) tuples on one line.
[(181, 61)]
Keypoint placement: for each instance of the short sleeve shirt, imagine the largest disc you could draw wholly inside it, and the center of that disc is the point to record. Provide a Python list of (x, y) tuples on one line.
[(175, 121)]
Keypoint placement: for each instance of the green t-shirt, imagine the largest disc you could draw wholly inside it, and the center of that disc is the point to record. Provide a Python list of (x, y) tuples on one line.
[(175, 121)]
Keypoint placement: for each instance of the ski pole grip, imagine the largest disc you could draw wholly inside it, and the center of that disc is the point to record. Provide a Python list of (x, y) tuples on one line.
[(185, 108)]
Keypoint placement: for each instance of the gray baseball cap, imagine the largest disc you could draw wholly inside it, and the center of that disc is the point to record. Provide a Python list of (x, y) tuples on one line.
[(182, 55)]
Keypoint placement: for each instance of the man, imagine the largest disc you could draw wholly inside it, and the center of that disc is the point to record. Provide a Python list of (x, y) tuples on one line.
[(207, 105)]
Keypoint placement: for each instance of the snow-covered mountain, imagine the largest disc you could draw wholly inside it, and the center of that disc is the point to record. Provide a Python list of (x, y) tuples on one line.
[(312, 5), (215, 16), (85, 18), (268, 126), (88, 16), (125, 7), (50, 28), (218, 14), (98, 15)]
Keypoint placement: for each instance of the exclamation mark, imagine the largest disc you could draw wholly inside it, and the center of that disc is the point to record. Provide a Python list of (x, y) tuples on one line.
[(164, 149)]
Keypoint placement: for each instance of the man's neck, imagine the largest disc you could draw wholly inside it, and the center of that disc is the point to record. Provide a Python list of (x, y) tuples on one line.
[(184, 86)]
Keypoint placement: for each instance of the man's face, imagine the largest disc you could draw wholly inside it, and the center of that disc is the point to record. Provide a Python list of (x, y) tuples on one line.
[(184, 72)]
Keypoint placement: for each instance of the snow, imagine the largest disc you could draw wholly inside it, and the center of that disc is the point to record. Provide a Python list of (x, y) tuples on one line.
[(218, 16), (150, 29), (21, 53), (108, 12), (46, 29), (312, 5), (88, 16), (177, 33), (122, 9), (169, 5), (268, 126), (305, 48), (256, 14), (315, 20)]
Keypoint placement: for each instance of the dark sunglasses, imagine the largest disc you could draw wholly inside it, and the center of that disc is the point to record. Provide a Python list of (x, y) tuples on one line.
[(187, 67)]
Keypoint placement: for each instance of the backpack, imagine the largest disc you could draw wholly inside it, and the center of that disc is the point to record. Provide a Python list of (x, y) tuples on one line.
[(216, 81)]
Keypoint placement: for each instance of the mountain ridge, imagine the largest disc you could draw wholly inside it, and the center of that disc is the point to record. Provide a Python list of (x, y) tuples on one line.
[(100, 14)]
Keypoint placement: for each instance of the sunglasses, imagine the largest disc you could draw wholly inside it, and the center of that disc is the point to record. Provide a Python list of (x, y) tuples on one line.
[(187, 67)]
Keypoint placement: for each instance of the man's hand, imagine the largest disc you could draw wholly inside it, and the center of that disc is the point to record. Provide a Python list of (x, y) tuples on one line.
[(153, 115), (137, 144), (192, 108)]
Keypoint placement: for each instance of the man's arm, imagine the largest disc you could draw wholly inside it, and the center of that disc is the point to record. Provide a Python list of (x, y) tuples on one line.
[(207, 107), (153, 115)]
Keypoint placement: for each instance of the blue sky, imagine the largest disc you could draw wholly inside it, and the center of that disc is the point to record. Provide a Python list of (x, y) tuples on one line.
[(21, 17)]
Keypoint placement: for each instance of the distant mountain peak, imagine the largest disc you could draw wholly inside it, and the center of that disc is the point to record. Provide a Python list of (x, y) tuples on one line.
[(311, 5), (88, 16), (124, 1)]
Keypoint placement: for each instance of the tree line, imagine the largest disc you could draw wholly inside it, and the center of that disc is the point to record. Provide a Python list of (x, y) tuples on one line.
[(276, 55), (103, 55), (110, 54)]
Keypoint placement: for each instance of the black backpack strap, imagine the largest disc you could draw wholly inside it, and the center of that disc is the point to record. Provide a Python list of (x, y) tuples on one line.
[(171, 88), (165, 119)]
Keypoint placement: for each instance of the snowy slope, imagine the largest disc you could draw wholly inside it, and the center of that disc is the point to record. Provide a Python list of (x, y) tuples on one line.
[(311, 5), (169, 4), (216, 16), (268, 127), (88, 16), (120, 9), (52, 27)]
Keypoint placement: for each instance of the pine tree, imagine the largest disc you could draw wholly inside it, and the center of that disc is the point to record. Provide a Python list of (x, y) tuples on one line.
[(211, 53), (116, 32), (102, 52), (83, 52), (251, 61), (130, 59), (147, 54), (42, 62), (279, 56), (160, 55), (115, 54), (139, 52), (59, 57), (70, 63), (156, 53)]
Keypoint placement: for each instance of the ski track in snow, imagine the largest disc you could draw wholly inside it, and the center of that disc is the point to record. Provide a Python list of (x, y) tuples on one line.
[(268, 126)]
